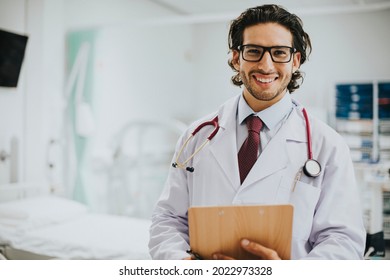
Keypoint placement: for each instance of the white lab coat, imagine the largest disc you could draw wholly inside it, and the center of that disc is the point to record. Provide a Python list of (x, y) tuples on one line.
[(327, 214)]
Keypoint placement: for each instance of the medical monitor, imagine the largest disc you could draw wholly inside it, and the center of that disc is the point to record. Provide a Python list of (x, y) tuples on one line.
[(12, 49)]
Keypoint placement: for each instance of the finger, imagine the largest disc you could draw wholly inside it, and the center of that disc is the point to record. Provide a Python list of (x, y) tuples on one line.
[(259, 250), (218, 256)]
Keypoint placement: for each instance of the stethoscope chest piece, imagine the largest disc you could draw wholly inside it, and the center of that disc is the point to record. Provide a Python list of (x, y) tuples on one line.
[(312, 168)]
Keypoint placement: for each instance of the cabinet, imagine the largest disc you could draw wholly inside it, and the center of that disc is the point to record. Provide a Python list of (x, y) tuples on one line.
[(363, 119)]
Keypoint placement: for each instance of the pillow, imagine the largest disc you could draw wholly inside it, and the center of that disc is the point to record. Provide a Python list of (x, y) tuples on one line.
[(39, 211)]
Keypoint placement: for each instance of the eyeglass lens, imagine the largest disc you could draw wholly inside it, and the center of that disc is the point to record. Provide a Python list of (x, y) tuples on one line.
[(256, 53)]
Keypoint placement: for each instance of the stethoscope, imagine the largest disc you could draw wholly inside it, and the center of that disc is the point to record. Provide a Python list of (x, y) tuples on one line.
[(311, 168), (213, 122)]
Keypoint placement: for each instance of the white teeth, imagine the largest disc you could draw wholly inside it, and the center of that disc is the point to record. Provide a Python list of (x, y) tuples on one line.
[(264, 80)]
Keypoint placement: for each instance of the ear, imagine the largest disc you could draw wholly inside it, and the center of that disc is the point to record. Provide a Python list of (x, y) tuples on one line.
[(296, 61), (236, 60)]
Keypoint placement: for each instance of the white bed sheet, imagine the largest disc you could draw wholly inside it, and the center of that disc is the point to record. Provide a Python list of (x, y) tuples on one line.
[(90, 236), (61, 228)]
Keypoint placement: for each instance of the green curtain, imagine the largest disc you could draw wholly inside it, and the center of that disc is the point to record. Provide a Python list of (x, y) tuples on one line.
[(74, 42)]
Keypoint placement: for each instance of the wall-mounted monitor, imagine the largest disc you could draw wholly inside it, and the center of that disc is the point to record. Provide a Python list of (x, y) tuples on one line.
[(12, 49)]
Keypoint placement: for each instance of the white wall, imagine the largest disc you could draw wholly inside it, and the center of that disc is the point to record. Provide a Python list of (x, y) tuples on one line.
[(102, 13), (212, 73), (140, 73)]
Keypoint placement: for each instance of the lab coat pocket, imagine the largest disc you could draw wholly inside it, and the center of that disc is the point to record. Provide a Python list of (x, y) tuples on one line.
[(304, 198)]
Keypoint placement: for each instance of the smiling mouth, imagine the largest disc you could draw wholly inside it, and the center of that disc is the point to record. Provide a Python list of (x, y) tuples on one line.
[(265, 80)]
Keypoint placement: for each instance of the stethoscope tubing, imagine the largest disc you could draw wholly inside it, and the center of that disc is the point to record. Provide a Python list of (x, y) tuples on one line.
[(308, 135), (311, 168), (213, 122)]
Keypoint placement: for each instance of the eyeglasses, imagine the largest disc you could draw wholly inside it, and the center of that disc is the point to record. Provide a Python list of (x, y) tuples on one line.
[(254, 53)]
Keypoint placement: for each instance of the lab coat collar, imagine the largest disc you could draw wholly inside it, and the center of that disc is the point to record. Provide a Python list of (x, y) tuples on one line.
[(270, 116), (227, 113), (297, 127)]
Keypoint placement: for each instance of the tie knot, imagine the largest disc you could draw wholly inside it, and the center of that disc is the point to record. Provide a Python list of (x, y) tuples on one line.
[(254, 123)]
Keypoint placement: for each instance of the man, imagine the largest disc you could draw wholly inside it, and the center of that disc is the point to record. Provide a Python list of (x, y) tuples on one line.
[(268, 45)]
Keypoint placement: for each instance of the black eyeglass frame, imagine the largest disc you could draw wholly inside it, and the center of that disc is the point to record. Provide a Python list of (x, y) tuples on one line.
[(267, 49)]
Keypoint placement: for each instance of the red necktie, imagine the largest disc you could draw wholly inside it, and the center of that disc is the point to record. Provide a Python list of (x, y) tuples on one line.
[(247, 155)]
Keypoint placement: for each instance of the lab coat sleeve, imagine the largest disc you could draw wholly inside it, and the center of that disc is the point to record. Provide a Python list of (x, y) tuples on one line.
[(169, 229), (338, 231)]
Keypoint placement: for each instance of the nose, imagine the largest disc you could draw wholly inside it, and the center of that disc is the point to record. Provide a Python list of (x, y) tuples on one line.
[(266, 62)]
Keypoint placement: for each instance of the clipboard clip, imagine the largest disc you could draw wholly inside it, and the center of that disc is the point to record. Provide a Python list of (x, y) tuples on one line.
[(194, 255)]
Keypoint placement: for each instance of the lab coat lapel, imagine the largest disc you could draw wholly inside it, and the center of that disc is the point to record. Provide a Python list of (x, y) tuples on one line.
[(276, 155), (224, 148)]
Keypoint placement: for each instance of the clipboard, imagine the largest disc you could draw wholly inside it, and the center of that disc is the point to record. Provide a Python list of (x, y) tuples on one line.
[(220, 229)]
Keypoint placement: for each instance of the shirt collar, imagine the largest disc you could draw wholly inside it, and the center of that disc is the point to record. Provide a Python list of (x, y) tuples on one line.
[(270, 116)]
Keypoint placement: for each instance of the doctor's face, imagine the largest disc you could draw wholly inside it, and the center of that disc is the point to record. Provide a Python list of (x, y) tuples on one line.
[(265, 82)]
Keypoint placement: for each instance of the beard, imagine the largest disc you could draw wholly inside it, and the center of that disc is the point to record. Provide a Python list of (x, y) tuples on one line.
[(265, 94)]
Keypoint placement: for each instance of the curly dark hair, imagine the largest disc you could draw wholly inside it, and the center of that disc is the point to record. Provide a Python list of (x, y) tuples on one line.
[(275, 14)]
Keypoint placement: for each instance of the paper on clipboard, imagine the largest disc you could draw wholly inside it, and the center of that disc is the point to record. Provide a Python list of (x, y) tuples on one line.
[(220, 229)]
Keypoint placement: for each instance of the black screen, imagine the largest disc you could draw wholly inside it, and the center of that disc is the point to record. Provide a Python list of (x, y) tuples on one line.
[(12, 48)]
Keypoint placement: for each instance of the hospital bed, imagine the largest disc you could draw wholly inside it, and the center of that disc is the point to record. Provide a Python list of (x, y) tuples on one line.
[(143, 150), (36, 224)]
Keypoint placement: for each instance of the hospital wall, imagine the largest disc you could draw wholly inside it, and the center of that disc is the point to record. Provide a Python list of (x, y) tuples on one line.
[(176, 69)]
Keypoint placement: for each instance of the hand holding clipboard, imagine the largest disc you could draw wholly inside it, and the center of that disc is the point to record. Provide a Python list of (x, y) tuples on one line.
[(220, 229)]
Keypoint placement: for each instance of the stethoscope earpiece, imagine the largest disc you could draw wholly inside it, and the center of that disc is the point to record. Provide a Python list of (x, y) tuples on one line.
[(188, 168)]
